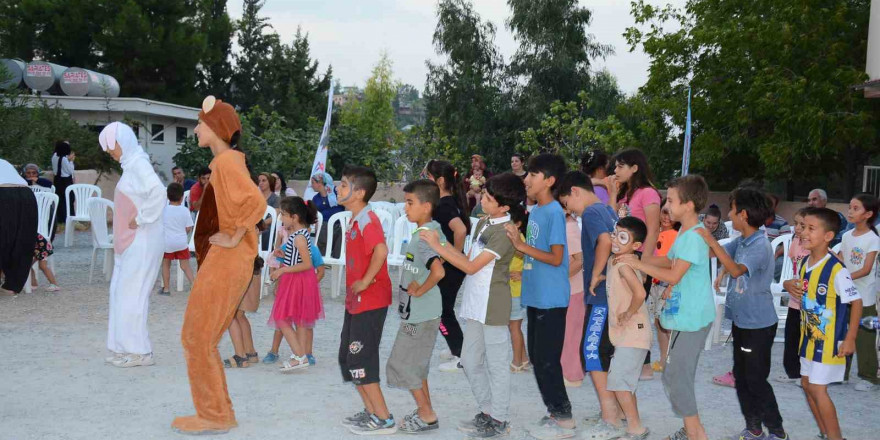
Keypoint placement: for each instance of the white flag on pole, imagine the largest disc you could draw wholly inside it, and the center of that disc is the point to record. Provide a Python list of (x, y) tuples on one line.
[(319, 165)]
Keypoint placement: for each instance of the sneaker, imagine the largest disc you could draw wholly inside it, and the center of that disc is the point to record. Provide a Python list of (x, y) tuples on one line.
[(749, 435), (725, 380), (415, 425), (493, 429), (311, 359), (782, 378), (270, 358), (604, 431), (375, 426), (473, 425), (52, 288), (356, 419), (135, 360), (550, 429), (453, 366), (572, 384), (446, 354), (115, 357), (771, 436), (864, 385)]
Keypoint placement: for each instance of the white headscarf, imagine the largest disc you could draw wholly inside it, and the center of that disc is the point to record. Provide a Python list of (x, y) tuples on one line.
[(8, 175), (124, 135)]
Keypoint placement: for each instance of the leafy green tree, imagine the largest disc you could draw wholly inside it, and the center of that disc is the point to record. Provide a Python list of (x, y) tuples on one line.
[(772, 94), (555, 51), (30, 133), (465, 103), (299, 90), (153, 48), (567, 130), (215, 72), (253, 60), (372, 118)]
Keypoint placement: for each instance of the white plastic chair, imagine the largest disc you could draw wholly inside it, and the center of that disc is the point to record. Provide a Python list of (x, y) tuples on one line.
[(47, 207), (186, 198), (336, 264), (470, 237), (776, 286), (715, 332), (316, 229), (403, 230), (387, 220), (101, 238), (83, 193), (267, 254), (39, 189)]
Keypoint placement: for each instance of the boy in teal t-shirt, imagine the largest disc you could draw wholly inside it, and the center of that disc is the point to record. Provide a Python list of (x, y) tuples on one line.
[(690, 309)]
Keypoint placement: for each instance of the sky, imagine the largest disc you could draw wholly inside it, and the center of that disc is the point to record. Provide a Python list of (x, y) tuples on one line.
[(350, 35)]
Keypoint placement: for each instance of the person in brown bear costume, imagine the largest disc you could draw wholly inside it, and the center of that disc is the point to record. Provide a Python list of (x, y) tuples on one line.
[(224, 274)]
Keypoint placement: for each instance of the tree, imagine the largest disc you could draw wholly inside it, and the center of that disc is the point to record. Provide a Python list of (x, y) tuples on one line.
[(372, 119), (555, 50), (772, 90), (465, 102), (567, 130), (215, 71), (299, 91), (153, 48), (30, 133), (253, 61)]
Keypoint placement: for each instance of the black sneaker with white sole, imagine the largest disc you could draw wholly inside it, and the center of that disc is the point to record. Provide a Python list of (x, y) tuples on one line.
[(356, 419), (492, 429), (472, 425), (375, 426)]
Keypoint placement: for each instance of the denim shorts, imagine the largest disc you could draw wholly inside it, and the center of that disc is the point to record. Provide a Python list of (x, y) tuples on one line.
[(517, 311)]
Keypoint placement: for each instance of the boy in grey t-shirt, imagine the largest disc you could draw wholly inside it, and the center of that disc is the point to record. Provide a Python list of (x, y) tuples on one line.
[(419, 305)]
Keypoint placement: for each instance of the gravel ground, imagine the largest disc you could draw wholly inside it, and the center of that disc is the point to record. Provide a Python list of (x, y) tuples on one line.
[(56, 386)]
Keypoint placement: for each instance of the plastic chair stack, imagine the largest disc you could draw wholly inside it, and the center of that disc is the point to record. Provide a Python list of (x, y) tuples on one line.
[(101, 237), (47, 207)]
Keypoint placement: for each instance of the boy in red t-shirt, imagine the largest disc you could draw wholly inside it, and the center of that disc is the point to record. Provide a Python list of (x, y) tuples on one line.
[(368, 295)]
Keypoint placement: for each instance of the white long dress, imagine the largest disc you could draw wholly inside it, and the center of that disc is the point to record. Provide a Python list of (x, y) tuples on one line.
[(138, 252)]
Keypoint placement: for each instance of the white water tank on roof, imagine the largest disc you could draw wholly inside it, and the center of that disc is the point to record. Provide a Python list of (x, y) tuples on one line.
[(43, 76), (76, 81), (15, 68)]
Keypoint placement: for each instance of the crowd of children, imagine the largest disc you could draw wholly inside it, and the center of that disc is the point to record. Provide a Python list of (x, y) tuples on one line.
[(596, 266)]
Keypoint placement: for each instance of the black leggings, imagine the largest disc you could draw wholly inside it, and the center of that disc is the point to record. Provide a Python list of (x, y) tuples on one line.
[(18, 235), (449, 326)]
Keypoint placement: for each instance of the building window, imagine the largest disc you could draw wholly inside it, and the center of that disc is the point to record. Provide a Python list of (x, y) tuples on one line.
[(181, 135), (158, 131)]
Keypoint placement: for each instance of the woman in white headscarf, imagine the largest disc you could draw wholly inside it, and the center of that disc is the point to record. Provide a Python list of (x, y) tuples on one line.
[(138, 242), (18, 229)]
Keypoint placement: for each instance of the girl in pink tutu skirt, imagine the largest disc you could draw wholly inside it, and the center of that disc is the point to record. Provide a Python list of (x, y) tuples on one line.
[(298, 298)]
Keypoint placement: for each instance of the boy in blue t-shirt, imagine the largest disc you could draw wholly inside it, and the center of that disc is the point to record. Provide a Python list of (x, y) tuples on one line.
[(749, 260), (597, 220), (690, 309), (545, 291)]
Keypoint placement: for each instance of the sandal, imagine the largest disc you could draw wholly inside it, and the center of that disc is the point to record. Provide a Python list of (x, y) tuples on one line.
[(252, 358), (289, 367), (657, 367), (236, 361), (521, 368), (642, 436)]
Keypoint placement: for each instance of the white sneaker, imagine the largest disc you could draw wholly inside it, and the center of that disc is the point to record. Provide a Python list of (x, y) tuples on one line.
[(115, 357), (52, 288), (135, 360), (453, 366), (864, 385), (446, 354)]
